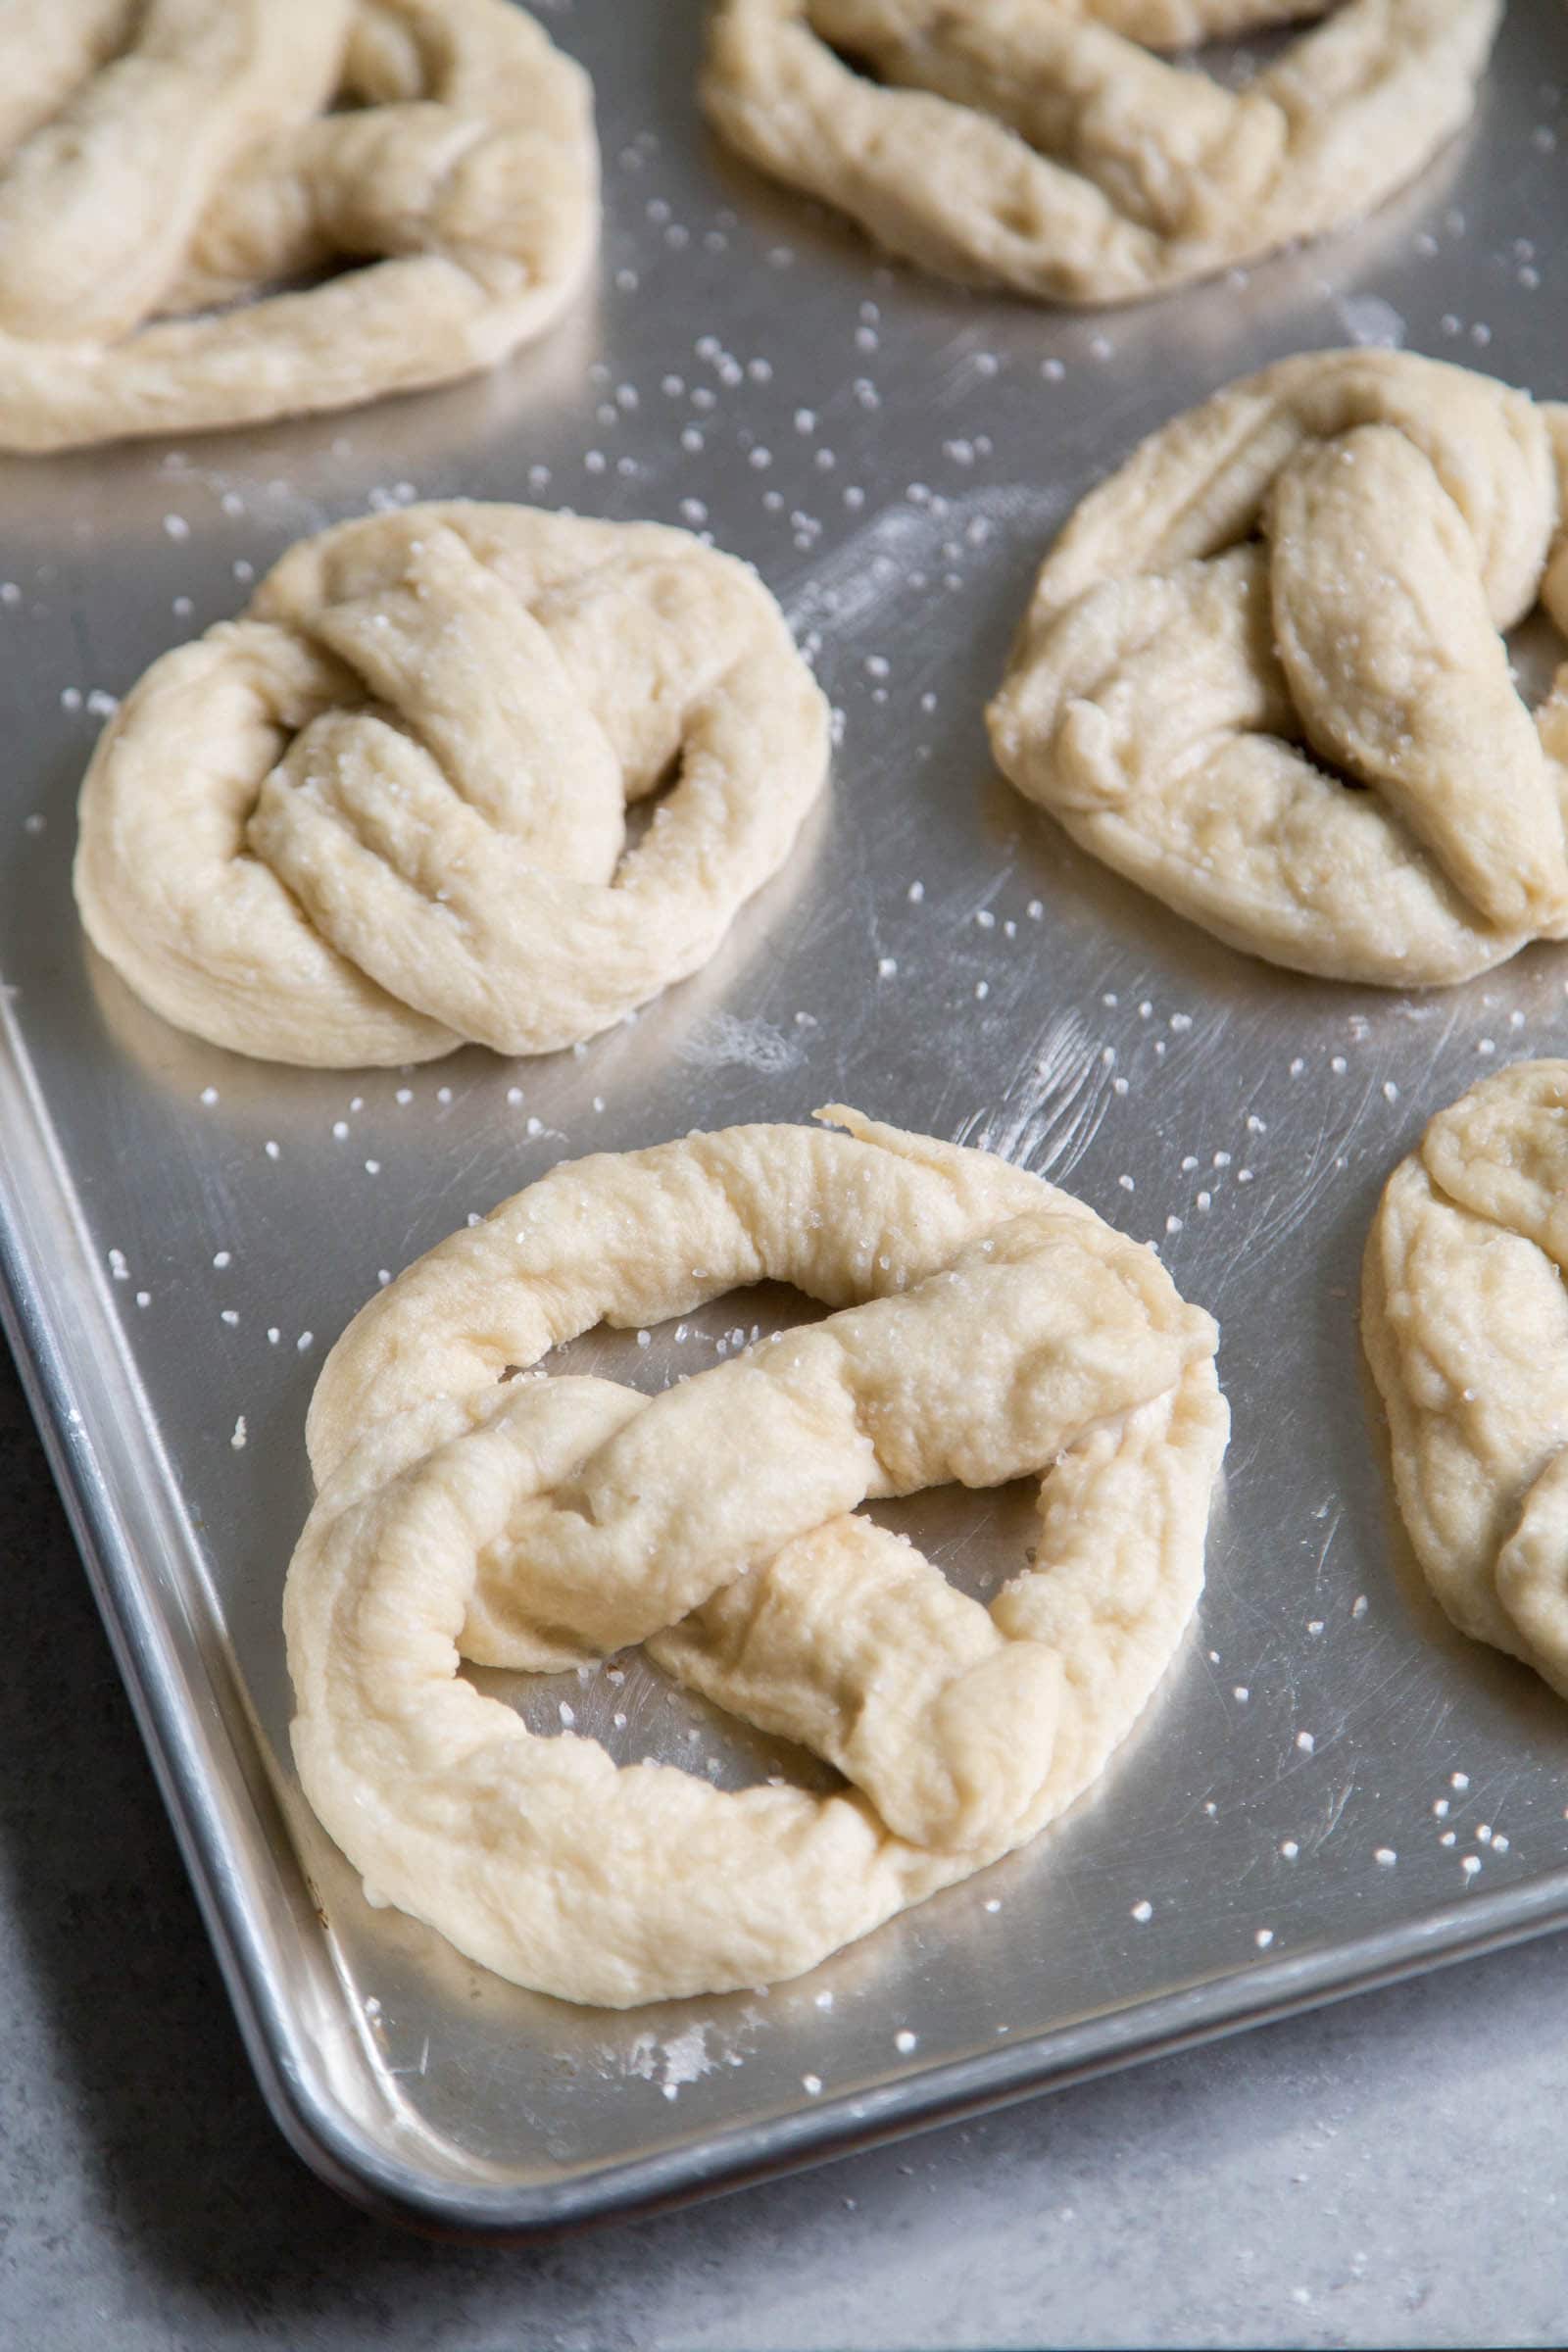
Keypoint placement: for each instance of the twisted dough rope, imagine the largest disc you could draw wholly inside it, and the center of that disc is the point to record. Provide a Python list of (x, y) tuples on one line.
[(384, 813), (1314, 564), (992, 1327), (1030, 144), (1465, 1321), (163, 158)]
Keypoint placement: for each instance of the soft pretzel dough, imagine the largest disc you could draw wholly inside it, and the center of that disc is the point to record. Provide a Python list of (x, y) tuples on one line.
[(1465, 1318), (1033, 144), (163, 163), (1314, 566), (989, 1327), (384, 811)]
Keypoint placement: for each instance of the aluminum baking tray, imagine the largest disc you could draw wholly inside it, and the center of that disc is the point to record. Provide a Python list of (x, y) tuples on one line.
[(1332, 1787)]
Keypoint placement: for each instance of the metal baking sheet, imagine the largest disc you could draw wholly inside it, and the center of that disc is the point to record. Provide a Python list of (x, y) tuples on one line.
[(1332, 1787)]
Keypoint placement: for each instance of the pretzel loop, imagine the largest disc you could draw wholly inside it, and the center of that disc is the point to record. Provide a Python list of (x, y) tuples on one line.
[(1310, 574), (386, 811), (1034, 143), (163, 160), (1465, 1318), (1001, 1330)]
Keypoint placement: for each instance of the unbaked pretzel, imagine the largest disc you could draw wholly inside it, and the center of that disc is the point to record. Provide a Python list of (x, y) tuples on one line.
[(1465, 1319), (990, 1328), (1033, 144), (384, 813), (163, 160), (1313, 566)]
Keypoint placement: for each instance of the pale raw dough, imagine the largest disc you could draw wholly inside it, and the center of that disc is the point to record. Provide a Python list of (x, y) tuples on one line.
[(1465, 1318), (990, 1328), (164, 162), (384, 813), (1032, 144), (1314, 568)]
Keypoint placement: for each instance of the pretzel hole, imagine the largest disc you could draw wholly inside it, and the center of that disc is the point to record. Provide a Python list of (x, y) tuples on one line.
[(977, 1539), (1536, 649), (285, 281), (855, 62), (1234, 62), (1329, 769), (712, 1334), (644, 808), (660, 1722)]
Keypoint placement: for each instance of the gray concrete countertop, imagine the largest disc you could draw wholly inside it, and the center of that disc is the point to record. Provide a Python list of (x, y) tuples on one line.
[(1392, 2171)]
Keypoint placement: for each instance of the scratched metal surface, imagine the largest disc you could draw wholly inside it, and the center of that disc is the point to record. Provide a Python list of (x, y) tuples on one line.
[(1332, 1785)]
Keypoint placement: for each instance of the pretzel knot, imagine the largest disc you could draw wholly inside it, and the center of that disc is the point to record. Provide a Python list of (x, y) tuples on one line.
[(385, 812), (988, 1328), (1294, 589), (1035, 145), (165, 161), (1465, 1319)]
